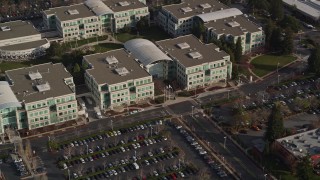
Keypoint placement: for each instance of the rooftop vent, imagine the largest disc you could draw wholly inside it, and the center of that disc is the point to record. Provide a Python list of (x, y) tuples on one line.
[(183, 45), (5, 28), (206, 5), (73, 11), (195, 55), (43, 87), (186, 9), (111, 60), (122, 71), (124, 3), (233, 24), (35, 75)]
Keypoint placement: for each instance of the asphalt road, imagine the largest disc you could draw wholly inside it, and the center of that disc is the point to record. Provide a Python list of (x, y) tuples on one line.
[(232, 154)]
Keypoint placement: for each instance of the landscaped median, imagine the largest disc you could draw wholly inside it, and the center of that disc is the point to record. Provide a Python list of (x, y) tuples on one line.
[(268, 63)]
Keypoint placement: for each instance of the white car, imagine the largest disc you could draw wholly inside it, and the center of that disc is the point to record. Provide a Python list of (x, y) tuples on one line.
[(155, 173), (90, 150), (65, 166), (82, 160)]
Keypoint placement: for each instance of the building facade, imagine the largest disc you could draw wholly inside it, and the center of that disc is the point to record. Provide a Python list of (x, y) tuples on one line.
[(115, 78), (178, 19), (94, 18), (197, 64), (20, 40), (46, 93)]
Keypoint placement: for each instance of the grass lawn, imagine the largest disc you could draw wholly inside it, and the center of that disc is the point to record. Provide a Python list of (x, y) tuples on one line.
[(103, 47), (154, 33), (86, 41), (267, 63)]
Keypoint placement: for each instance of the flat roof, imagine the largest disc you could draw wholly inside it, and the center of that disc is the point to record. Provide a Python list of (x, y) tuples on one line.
[(233, 25), (17, 29), (98, 7), (115, 6), (310, 8), (103, 73), (26, 89), (303, 143), (190, 51), (194, 7), (77, 11), (221, 14), (25, 46), (7, 97)]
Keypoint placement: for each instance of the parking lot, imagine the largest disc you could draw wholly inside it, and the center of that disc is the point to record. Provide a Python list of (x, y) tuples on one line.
[(149, 149)]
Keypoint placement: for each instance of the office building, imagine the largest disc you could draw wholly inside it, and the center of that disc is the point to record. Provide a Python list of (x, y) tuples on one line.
[(232, 24), (20, 40), (116, 78), (196, 64), (178, 19), (46, 93), (94, 18)]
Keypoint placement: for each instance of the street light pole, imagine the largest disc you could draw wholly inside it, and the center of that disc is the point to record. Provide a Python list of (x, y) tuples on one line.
[(87, 148), (225, 139), (278, 67), (69, 173), (192, 110), (265, 176)]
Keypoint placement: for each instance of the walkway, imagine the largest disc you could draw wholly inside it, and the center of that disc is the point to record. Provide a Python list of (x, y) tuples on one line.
[(110, 39)]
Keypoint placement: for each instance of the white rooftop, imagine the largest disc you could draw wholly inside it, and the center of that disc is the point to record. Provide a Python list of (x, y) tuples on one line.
[(35, 75), (7, 97), (183, 45), (43, 87), (304, 143), (145, 51), (111, 60), (122, 71), (98, 7), (310, 8), (225, 13), (195, 55)]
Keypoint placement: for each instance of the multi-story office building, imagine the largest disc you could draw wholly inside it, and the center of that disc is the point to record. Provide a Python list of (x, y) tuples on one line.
[(116, 78), (197, 64), (46, 93), (73, 22), (232, 24), (20, 40), (94, 17), (178, 19), (8, 107)]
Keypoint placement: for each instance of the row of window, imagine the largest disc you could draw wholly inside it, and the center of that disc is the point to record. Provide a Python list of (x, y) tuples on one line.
[(39, 125), (67, 112), (39, 119), (39, 113), (67, 106), (124, 86)]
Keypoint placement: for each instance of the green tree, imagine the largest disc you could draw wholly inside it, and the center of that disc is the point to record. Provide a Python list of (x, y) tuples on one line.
[(290, 22), (287, 43), (238, 50), (198, 29), (142, 24), (268, 31), (257, 4), (76, 68), (55, 50), (314, 61), (241, 117), (276, 9), (235, 71), (304, 169), (275, 127), (276, 39)]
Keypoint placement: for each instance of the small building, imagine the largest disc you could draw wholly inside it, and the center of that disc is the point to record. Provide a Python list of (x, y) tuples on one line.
[(46, 93), (116, 78), (178, 19), (232, 24), (196, 64), (20, 40), (291, 148), (8, 107)]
